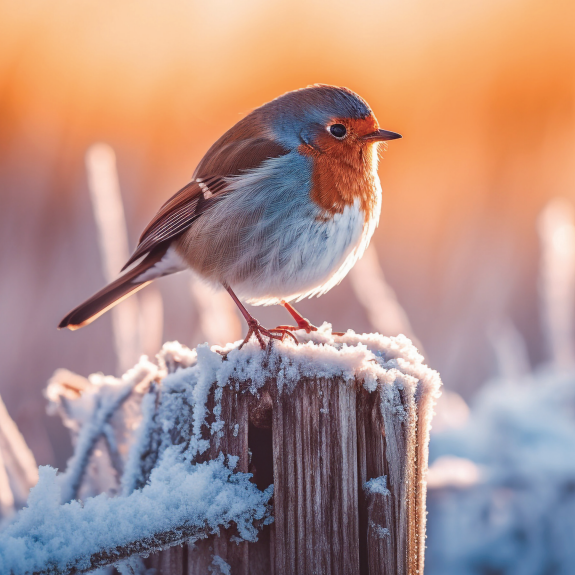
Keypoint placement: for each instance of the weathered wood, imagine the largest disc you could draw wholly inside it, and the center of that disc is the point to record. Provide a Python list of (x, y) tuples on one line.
[(232, 440), (172, 560), (328, 439), (425, 400), (315, 505), (392, 442), (376, 552)]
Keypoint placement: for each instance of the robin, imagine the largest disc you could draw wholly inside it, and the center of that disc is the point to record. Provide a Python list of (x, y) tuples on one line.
[(279, 209)]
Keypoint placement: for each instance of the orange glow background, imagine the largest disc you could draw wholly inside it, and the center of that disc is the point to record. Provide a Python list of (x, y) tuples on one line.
[(483, 93)]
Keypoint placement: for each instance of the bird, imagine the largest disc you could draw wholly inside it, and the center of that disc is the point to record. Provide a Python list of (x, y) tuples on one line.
[(279, 209)]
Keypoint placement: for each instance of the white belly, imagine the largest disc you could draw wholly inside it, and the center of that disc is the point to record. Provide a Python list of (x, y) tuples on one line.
[(317, 259)]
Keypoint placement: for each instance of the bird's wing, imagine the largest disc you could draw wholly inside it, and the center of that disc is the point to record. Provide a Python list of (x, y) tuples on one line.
[(227, 158)]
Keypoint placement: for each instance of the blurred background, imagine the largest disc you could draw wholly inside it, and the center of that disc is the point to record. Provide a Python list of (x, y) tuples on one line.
[(107, 107)]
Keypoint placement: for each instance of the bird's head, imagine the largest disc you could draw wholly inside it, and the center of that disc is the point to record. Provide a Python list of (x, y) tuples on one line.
[(324, 119)]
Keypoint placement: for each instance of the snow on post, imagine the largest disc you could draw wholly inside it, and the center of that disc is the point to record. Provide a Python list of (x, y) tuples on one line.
[(293, 460)]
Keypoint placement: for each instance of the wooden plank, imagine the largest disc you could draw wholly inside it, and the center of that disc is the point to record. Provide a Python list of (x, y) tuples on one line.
[(231, 440), (376, 511), (424, 398), (315, 478), (170, 561), (392, 441)]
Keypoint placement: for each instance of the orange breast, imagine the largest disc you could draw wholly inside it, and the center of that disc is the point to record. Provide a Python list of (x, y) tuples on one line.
[(344, 171), (339, 180)]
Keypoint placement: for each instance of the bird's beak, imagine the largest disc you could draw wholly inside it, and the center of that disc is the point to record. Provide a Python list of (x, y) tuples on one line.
[(381, 136)]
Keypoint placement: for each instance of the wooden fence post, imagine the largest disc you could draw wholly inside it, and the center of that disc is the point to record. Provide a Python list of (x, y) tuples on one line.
[(348, 467), (339, 425)]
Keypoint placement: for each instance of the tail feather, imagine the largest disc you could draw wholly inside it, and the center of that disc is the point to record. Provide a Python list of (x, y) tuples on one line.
[(112, 294)]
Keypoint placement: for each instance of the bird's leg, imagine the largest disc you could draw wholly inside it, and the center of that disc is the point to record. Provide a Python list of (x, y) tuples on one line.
[(302, 322), (254, 327)]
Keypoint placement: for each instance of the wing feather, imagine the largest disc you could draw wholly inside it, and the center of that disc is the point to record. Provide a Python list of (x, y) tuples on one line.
[(227, 158)]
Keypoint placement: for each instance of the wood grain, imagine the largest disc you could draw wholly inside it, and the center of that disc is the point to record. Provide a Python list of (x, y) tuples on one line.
[(320, 443)]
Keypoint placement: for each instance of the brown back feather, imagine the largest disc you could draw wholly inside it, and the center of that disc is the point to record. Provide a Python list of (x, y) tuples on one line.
[(240, 149)]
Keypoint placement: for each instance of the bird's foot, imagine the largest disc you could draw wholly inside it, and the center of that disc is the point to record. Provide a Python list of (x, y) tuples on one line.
[(308, 328), (254, 328), (302, 323)]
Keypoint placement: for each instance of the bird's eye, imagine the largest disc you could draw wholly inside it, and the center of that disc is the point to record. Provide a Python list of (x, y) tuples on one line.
[(338, 131)]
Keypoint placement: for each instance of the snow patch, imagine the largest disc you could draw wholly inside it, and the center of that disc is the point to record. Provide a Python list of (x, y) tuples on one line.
[(178, 495), (377, 485)]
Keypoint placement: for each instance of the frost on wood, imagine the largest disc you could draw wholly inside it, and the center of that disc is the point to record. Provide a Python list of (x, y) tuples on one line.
[(180, 502), (166, 448), (87, 408)]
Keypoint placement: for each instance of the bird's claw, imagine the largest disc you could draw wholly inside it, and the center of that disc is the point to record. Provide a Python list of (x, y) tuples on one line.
[(301, 324), (307, 326), (279, 333)]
